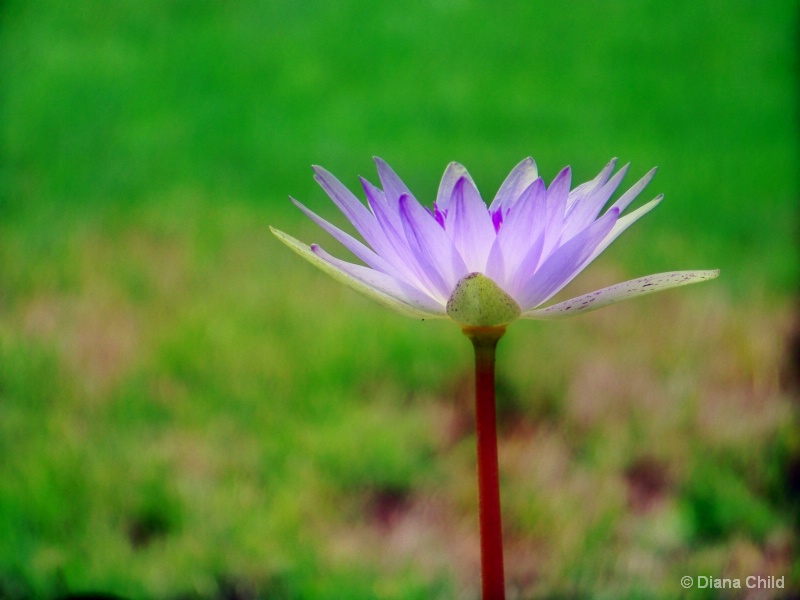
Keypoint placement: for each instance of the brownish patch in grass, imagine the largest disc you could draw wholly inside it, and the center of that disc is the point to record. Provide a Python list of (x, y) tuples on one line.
[(97, 337), (648, 481)]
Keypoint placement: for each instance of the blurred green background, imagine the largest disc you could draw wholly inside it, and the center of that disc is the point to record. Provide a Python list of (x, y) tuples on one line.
[(188, 410)]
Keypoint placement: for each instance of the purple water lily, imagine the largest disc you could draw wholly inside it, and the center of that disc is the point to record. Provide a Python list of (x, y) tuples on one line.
[(483, 266)]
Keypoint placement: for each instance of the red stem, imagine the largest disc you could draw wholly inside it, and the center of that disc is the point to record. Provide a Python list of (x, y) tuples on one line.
[(484, 340)]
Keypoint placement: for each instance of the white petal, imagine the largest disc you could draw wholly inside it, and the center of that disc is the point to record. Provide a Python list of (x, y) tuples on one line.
[(618, 293), (380, 287)]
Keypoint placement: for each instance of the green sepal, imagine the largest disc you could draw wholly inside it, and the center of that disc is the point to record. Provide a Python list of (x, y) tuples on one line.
[(477, 301)]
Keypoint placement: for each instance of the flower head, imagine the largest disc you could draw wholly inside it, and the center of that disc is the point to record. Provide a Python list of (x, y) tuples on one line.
[(483, 266)]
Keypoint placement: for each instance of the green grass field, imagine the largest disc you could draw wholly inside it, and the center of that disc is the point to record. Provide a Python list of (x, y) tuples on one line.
[(188, 410)]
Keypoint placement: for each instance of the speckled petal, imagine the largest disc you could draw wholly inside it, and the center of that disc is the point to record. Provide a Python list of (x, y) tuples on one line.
[(618, 293)]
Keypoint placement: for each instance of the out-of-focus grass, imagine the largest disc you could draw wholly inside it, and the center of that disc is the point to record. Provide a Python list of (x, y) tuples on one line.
[(186, 409)]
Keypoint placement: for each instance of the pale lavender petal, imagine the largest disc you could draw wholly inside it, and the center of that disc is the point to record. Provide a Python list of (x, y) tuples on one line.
[(358, 214), (349, 242), (373, 284), (623, 223), (393, 186), (522, 229), (629, 196), (584, 211), (469, 225), (584, 190), (386, 284), (452, 174), (397, 250), (618, 293), (521, 176), (557, 195), (432, 247), (564, 264)]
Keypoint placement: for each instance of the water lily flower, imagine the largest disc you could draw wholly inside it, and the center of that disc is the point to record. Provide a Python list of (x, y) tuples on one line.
[(483, 267)]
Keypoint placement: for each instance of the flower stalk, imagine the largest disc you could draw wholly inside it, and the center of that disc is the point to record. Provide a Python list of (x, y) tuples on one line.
[(484, 341)]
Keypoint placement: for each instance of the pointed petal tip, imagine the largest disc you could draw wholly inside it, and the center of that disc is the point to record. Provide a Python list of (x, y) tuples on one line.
[(320, 173), (381, 164), (457, 167)]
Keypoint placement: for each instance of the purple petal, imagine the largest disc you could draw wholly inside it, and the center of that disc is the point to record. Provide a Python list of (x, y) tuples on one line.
[(520, 178), (349, 242), (564, 264), (397, 250), (358, 214), (382, 283), (470, 226), (586, 189), (623, 223), (521, 231), (557, 195), (432, 247), (618, 293), (373, 284), (637, 188), (393, 186), (584, 210)]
